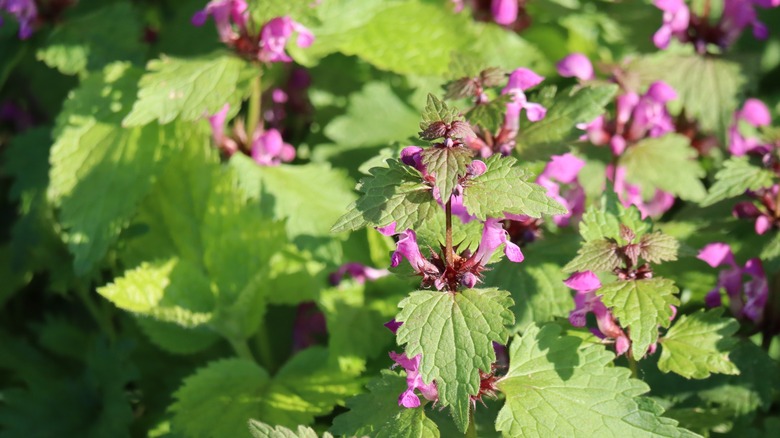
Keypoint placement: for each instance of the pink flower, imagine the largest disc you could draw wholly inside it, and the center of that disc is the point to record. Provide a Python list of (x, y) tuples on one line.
[(414, 381), (519, 81), (746, 298), (268, 149), (274, 36), (358, 271), (25, 12), (504, 11), (217, 122), (650, 116), (227, 14), (562, 171), (630, 194), (755, 114), (493, 236), (586, 301), (576, 65), (675, 24)]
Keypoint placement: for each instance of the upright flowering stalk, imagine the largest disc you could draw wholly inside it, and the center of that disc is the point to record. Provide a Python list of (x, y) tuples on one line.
[(763, 208), (24, 11), (266, 147), (401, 198), (637, 117), (702, 30), (586, 284), (231, 18), (746, 286)]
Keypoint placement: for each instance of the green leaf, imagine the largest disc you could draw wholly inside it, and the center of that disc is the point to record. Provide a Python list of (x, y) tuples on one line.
[(558, 387), (735, 177), (99, 170), (376, 115), (699, 344), (447, 165), (190, 89), (436, 110), (89, 42), (771, 249), (378, 414), (641, 306), (422, 46), (604, 222), (490, 116), (595, 255), (454, 333), (261, 430), (171, 291), (708, 87), (537, 289), (658, 247), (219, 400), (390, 194), (296, 191), (175, 338), (239, 242), (348, 307), (93, 393), (650, 162), (503, 189), (558, 128)]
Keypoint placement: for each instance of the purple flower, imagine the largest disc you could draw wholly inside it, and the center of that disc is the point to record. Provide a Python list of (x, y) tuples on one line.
[(577, 66), (414, 381), (268, 149), (412, 156), (675, 24), (226, 14), (755, 114), (504, 11), (407, 248), (358, 271), (25, 12), (764, 218), (393, 325), (737, 15), (563, 170), (309, 326), (520, 80), (746, 298), (274, 36), (630, 194), (493, 236), (217, 122), (650, 116), (586, 301)]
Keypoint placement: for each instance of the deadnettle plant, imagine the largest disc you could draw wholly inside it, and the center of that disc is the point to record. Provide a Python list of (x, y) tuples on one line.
[(445, 179), (508, 13)]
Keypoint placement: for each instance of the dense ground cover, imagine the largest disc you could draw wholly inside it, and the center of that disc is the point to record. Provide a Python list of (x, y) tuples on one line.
[(389, 218)]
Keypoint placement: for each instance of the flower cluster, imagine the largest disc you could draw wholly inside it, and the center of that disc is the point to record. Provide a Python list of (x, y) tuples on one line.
[(25, 12), (266, 147), (747, 299), (637, 116), (763, 208), (685, 26), (503, 142), (232, 17)]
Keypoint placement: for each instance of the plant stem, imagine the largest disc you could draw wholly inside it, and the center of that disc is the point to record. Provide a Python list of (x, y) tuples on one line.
[(242, 349), (255, 102), (263, 344), (471, 432), (448, 253), (632, 365), (102, 319)]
